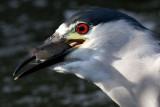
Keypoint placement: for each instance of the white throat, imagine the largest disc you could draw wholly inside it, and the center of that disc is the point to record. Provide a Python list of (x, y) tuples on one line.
[(123, 63)]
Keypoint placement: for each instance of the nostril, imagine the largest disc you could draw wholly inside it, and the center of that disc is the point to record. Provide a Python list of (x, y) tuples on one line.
[(62, 38)]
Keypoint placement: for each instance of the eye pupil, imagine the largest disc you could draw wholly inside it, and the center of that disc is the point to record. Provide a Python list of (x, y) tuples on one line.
[(82, 28)]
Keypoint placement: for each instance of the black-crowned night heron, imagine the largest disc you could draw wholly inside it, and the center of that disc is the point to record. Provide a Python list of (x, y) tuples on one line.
[(109, 48)]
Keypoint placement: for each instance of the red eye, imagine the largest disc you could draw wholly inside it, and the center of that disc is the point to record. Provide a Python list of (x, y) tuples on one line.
[(82, 28)]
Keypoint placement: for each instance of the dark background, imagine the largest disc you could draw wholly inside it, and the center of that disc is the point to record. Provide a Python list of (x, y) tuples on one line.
[(25, 23)]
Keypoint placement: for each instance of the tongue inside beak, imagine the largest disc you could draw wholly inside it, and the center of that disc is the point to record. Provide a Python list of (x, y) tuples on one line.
[(77, 43)]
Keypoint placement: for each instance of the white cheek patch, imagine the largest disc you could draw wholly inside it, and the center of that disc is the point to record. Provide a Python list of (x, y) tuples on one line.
[(62, 29)]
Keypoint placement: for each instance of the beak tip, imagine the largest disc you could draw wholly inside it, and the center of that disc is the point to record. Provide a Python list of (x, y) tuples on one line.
[(16, 78)]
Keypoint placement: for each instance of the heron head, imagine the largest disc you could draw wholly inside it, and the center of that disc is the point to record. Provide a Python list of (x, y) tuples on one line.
[(83, 43)]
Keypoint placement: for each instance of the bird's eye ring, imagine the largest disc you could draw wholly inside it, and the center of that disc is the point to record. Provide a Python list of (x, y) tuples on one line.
[(82, 28)]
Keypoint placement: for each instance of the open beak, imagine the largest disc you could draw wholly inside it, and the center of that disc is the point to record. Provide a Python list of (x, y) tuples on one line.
[(53, 51)]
